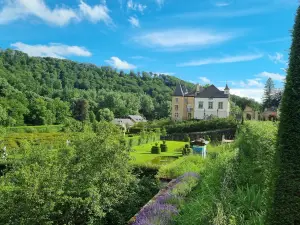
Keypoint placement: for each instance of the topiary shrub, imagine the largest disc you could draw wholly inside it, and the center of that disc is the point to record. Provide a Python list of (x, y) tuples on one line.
[(186, 138), (186, 150), (155, 149), (163, 147)]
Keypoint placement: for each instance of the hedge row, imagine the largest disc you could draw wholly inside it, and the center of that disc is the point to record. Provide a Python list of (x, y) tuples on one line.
[(201, 125)]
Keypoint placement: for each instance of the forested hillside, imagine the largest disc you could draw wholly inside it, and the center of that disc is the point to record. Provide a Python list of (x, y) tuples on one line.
[(40, 91)]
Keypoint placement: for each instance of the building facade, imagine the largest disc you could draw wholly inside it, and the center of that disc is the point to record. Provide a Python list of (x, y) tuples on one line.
[(201, 103)]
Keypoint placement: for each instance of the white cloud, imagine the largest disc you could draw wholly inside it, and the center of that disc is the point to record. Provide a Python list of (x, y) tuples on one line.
[(179, 39), (205, 80), (52, 50), (138, 57), (284, 39), (254, 93), (21, 9), (160, 2), (274, 76), (165, 73), (96, 13), (277, 58), (119, 64), (134, 21), (222, 4), (136, 6), (222, 14), (254, 83), (227, 59)]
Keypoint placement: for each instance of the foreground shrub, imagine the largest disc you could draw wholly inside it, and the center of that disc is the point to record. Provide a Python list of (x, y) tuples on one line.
[(192, 163), (237, 186), (287, 198), (77, 184)]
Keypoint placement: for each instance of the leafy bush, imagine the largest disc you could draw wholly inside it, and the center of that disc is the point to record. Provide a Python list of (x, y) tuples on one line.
[(77, 184), (186, 150), (237, 186), (155, 149), (186, 138)]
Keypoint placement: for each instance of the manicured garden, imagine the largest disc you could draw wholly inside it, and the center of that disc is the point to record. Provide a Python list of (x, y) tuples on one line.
[(142, 154)]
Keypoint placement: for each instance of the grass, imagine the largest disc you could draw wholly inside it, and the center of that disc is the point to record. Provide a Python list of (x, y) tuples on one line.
[(191, 163), (142, 154)]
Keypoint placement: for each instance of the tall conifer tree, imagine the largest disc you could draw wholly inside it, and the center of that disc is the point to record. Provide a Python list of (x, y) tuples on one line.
[(286, 208)]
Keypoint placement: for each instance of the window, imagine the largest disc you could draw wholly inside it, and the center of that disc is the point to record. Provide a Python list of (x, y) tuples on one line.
[(176, 107), (176, 100), (176, 115), (220, 106), (200, 106), (210, 105), (189, 116)]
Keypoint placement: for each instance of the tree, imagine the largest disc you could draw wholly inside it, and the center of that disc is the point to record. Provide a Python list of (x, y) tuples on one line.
[(286, 206), (147, 106), (268, 93), (105, 115), (75, 184), (81, 109)]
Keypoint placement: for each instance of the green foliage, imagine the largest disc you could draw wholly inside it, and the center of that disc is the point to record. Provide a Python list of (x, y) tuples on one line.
[(202, 125), (81, 88), (105, 115), (186, 150), (192, 163), (163, 147), (155, 149), (287, 195), (186, 138), (268, 92), (78, 184), (242, 102), (238, 184)]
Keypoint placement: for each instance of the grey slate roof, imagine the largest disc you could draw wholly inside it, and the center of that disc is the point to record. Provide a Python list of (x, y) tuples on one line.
[(137, 118), (211, 92), (226, 88), (178, 90), (119, 121)]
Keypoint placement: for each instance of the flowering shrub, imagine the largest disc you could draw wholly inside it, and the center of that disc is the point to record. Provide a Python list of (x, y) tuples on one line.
[(166, 204)]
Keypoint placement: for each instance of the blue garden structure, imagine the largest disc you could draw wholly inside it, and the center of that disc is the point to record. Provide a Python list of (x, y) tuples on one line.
[(199, 147)]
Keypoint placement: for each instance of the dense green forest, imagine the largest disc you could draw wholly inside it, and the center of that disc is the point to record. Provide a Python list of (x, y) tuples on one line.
[(38, 91)]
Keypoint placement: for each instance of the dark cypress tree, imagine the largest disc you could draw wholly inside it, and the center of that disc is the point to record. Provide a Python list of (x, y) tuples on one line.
[(268, 92), (286, 208)]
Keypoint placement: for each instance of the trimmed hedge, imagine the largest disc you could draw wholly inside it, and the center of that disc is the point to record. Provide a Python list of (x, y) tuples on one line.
[(163, 147), (201, 125), (155, 149)]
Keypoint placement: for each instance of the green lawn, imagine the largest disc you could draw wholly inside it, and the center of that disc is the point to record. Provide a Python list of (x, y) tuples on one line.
[(142, 154)]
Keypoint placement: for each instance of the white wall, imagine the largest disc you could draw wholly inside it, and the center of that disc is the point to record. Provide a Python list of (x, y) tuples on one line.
[(221, 113)]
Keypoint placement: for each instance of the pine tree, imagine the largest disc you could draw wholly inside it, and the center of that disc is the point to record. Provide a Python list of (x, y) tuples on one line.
[(269, 88), (286, 208)]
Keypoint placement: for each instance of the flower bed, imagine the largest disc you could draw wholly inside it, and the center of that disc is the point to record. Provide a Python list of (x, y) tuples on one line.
[(166, 204)]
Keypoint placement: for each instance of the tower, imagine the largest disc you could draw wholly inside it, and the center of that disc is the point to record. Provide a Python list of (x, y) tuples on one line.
[(226, 90), (178, 103)]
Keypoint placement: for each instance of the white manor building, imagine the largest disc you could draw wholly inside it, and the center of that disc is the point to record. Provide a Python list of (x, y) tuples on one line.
[(203, 103)]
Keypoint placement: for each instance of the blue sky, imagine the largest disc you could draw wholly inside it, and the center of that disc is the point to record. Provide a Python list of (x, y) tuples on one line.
[(242, 42)]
